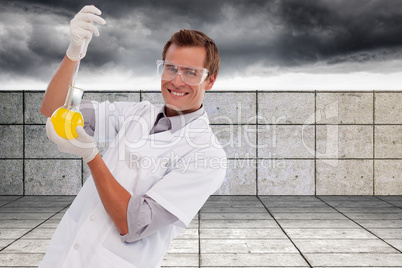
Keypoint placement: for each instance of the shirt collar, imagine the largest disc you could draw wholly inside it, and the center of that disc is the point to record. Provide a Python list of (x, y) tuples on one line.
[(179, 121)]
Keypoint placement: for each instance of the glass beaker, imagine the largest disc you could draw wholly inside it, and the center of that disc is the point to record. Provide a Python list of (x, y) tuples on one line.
[(66, 118)]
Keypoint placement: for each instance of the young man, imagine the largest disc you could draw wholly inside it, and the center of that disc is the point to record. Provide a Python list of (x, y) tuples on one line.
[(161, 167)]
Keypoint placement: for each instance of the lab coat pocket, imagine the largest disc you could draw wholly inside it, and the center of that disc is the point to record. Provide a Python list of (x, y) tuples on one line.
[(147, 178), (148, 168), (106, 259)]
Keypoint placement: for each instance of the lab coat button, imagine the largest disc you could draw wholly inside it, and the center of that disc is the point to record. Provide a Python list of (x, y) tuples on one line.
[(92, 218), (76, 246)]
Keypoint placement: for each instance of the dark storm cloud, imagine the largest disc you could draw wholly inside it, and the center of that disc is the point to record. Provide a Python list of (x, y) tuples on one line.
[(294, 33), (331, 28), (34, 34), (28, 44)]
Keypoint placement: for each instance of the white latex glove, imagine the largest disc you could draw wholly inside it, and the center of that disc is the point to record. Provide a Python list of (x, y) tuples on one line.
[(81, 31), (83, 146)]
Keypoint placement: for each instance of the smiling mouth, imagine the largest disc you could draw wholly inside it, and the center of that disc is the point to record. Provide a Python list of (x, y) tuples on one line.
[(178, 93)]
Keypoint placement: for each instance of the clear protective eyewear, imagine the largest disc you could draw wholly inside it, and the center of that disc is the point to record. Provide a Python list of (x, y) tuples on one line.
[(190, 75)]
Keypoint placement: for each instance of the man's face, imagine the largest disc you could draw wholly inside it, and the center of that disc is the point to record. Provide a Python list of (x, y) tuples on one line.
[(180, 97)]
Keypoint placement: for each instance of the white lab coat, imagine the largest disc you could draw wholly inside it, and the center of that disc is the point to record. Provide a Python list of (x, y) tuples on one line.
[(178, 170)]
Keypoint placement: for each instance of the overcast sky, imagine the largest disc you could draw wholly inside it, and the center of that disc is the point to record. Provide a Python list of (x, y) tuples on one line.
[(285, 45)]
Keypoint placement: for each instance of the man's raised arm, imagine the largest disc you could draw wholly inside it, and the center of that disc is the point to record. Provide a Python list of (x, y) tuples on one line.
[(81, 30)]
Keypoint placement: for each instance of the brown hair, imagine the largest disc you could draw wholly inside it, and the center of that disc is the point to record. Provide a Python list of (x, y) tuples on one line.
[(195, 38)]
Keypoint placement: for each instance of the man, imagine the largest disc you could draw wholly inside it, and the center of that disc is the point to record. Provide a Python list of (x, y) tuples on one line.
[(163, 163)]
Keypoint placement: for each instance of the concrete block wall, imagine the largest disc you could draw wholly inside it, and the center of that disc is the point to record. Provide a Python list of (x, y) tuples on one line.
[(278, 143)]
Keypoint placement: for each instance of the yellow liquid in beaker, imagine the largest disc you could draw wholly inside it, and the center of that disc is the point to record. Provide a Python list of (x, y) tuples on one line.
[(65, 123)]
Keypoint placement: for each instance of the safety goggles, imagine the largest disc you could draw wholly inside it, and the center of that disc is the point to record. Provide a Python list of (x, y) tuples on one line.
[(189, 74)]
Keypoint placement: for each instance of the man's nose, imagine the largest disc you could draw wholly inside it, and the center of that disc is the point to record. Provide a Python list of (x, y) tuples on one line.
[(178, 81)]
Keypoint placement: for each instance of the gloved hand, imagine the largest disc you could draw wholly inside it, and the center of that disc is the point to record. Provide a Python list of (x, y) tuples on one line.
[(83, 146), (81, 30)]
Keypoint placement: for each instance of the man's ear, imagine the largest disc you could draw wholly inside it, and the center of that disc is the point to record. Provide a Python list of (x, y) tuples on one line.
[(210, 81)]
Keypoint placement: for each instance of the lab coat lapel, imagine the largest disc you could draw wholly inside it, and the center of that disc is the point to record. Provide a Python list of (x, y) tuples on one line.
[(164, 136), (190, 130), (188, 133)]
